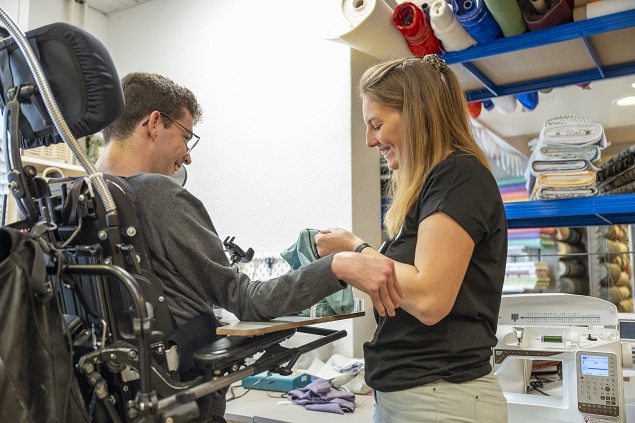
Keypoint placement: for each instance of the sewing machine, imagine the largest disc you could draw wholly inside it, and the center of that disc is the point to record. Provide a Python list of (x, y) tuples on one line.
[(559, 358)]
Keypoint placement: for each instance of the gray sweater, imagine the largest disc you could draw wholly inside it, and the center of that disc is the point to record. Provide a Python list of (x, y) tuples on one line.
[(187, 256)]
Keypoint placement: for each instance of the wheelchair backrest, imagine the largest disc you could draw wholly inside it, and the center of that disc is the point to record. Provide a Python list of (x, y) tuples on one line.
[(80, 219)]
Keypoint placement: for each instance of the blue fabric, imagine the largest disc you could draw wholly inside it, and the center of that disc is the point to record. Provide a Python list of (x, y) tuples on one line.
[(304, 252), (488, 104), (477, 20), (528, 100)]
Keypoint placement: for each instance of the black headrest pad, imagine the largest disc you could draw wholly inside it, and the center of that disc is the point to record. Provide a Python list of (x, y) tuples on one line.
[(82, 77)]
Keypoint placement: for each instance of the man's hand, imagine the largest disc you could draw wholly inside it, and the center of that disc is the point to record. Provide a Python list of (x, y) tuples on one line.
[(374, 275)]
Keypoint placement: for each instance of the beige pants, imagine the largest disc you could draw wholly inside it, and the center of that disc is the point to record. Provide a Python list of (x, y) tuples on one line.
[(477, 401)]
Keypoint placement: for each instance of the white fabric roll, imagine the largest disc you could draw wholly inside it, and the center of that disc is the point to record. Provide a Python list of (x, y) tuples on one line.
[(540, 6), (505, 104), (601, 8), (447, 28), (607, 7), (373, 31)]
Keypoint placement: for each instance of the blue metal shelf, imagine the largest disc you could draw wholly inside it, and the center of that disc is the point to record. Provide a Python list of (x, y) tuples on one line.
[(574, 212), (586, 31)]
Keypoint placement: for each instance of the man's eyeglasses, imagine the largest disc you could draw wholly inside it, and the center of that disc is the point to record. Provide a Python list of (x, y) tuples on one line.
[(192, 135)]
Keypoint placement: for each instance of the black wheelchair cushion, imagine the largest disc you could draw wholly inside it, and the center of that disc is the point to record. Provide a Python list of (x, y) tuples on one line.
[(82, 77)]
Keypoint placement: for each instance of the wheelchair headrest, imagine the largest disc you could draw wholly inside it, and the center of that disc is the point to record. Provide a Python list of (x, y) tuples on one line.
[(82, 77)]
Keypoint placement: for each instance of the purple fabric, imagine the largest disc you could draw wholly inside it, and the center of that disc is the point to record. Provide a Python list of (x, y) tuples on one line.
[(510, 188), (320, 396)]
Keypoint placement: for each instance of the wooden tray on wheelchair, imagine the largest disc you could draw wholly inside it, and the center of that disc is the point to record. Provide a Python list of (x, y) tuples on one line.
[(242, 328)]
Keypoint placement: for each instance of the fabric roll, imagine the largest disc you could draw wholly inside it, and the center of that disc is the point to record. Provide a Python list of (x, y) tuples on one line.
[(372, 31), (412, 23), (570, 285), (505, 104), (625, 306), (540, 6), (614, 233), (568, 235), (448, 29), (508, 16), (620, 180), (622, 260), (569, 268), (564, 248), (617, 164), (618, 293), (602, 8), (528, 100), (614, 247), (488, 104), (477, 20), (609, 273), (474, 108), (558, 12)]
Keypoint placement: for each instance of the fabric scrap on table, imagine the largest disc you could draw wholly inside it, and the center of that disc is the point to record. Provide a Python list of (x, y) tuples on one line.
[(319, 395)]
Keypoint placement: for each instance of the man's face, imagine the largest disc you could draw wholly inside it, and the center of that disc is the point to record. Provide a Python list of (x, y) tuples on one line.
[(172, 143)]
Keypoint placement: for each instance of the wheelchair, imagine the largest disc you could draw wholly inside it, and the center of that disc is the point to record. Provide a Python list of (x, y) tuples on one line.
[(85, 328)]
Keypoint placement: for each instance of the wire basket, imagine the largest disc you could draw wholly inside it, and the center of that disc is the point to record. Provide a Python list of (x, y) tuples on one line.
[(56, 152)]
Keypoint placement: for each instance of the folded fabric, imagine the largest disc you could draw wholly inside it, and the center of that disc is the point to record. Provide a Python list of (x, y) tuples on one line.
[(573, 131), (561, 165), (557, 152), (304, 252), (319, 395), (569, 192), (514, 187), (565, 179)]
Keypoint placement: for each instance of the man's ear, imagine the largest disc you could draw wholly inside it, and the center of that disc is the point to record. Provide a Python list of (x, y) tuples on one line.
[(153, 121)]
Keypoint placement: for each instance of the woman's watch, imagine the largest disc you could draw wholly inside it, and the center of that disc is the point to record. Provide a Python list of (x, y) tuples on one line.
[(361, 246)]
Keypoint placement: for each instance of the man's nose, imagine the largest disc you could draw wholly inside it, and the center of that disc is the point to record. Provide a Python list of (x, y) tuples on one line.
[(187, 159)]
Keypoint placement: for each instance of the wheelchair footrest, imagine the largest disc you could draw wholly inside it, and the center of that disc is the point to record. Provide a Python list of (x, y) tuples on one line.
[(232, 349)]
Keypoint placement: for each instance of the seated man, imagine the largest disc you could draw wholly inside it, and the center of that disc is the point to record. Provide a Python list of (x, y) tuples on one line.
[(149, 142)]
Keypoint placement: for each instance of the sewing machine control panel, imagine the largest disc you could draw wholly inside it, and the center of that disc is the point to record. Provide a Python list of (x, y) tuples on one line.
[(598, 383)]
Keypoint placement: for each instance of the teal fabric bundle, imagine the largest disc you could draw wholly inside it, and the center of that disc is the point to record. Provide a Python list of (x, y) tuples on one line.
[(304, 252)]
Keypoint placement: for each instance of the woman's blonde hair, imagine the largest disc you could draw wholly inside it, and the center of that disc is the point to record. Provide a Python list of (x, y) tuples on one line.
[(434, 124)]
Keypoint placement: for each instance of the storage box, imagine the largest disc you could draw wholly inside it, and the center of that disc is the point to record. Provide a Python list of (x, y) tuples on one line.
[(275, 382)]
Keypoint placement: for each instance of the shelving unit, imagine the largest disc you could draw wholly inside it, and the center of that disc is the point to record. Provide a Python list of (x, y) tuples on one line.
[(573, 212), (572, 53)]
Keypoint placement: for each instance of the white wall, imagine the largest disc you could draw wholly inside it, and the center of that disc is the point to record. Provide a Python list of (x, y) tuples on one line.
[(275, 154)]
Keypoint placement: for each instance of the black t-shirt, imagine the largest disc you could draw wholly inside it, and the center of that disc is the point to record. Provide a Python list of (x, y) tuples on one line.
[(404, 352)]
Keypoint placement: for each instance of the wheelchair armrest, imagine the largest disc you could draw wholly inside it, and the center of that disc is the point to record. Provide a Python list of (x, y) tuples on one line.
[(235, 349)]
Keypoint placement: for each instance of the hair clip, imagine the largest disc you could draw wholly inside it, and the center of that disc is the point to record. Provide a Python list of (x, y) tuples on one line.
[(436, 62)]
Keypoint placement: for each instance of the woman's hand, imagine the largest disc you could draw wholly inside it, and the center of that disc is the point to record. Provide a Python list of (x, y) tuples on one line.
[(372, 274), (335, 240)]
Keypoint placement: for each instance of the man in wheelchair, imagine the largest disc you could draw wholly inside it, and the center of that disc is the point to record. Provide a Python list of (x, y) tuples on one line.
[(157, 241)]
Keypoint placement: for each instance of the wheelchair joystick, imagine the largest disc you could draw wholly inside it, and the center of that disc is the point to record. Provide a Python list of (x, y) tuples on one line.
[(237, 254)]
